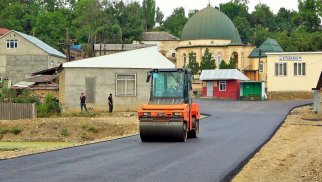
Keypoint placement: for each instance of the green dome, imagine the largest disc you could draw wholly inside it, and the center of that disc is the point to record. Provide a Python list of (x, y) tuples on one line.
[(210, 23)]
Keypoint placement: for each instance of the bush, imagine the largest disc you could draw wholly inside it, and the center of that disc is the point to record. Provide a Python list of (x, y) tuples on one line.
[(50, 107), (15, 130), (64, 133), (92, 129)]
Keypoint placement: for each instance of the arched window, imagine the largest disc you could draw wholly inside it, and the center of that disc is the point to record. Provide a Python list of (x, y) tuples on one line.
[(194, 56), (235, 57), (184, 60), (219, 58)]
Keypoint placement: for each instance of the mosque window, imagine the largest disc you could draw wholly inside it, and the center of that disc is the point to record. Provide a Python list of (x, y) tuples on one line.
[(219, 58), (184, 60)]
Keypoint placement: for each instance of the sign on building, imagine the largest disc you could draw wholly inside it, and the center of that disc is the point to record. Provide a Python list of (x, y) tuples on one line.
[(290, 58)]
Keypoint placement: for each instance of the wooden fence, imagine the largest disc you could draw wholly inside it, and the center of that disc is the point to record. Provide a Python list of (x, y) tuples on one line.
[(14, 111)]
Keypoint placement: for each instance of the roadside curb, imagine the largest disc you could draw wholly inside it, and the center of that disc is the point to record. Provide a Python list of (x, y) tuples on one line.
[(230, 175)]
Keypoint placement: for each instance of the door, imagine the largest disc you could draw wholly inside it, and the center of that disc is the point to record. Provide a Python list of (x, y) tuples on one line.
[(210, 89)]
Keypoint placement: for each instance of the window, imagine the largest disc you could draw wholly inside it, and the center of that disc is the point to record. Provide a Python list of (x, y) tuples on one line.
[(12, 44), (168, 84), (125, 84), (0, 79), (222, 85), (219, 58), (299, 69), (173, 54), (184, 60), (280, 69), (261, 67)]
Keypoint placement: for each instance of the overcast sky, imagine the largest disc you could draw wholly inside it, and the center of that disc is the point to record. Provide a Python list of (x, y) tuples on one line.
[(167, 6)]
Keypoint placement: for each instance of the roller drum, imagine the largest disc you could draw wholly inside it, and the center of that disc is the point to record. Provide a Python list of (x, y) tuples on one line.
[(172, 129)]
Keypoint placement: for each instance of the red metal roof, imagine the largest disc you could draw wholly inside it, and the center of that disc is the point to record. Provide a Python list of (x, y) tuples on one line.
[(3, 31)]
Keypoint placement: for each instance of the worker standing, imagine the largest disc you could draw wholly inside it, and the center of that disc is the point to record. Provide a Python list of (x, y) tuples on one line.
[(110, 103)]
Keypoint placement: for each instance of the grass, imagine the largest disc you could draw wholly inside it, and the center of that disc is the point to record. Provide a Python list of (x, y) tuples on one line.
[(81, 114), (18, 146)]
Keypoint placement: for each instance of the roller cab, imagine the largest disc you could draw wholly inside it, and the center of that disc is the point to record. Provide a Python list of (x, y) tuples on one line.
[(170, 113)]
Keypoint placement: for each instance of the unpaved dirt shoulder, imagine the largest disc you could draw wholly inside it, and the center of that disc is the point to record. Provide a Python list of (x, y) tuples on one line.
[(293, 154), (73, 130)]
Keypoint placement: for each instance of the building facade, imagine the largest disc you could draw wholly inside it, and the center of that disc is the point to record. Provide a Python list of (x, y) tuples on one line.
[(293, 71), (212, 29), (123, 74), (21, 55), (222, 83)]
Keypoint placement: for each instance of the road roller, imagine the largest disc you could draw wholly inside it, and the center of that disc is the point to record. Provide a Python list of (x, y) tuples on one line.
[(170, 113)]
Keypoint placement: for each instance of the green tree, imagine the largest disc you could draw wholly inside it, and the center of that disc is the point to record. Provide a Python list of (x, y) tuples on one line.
[(16, 15), (175, 22), (193, 64), (149, 12), (159, 16), (262, 16), (307, 16), (207, 61), (283, 20), (50, 27), (223, 65), (232, 64)]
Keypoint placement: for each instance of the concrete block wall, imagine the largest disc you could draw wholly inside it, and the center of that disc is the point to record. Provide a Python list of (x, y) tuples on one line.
[(105, 83), (20, 67)]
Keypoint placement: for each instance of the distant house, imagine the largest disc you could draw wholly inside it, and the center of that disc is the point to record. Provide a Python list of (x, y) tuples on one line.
[(293, 71), (222, 83), (123, 74), (3, 31), (259, 56), (106, 49), (40, 85), (22, 54), (317, 96), (166, 43)]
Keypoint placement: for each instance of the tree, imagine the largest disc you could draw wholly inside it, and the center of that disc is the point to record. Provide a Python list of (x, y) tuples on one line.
[(50, 27), (232, 64), (192, 12), (307, 16), (262, 16), (237, 11), (149, 12), (175, 22), (193, 65), (223, 65), (159, 16), (283, 20), (207, 61)]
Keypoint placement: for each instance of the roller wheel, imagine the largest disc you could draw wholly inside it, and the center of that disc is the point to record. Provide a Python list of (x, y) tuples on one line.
[(194, 133), (184, 133)]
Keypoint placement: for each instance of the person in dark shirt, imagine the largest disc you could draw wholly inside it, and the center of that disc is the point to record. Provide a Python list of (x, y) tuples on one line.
[(82, 99), (110, 103)]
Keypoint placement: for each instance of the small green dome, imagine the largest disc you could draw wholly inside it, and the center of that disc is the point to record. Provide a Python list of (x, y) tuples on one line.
[(210, 23)]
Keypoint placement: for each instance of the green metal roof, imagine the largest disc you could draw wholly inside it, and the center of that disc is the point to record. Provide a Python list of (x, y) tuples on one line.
[(269, 45), (210, 23)]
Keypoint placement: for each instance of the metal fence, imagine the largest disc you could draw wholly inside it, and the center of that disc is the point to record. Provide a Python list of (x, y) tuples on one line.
[(14, 111)]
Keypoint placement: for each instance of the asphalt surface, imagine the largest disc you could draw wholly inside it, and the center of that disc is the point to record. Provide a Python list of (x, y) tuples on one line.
[(229, 136)]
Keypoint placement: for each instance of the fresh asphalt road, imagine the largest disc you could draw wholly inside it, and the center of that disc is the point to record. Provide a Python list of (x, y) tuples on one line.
[(229, 136)]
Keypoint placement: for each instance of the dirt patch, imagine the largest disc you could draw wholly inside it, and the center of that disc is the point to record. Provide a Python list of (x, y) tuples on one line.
[(293, 154), (72, 130)]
